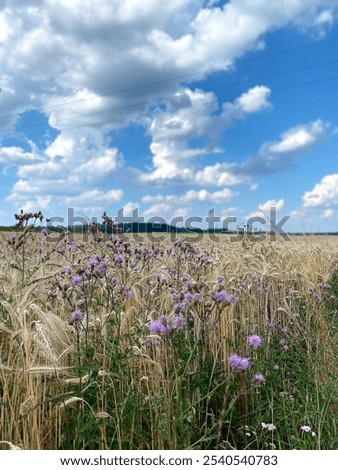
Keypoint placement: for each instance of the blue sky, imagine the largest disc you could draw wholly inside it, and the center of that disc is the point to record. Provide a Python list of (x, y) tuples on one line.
[(172, 108)]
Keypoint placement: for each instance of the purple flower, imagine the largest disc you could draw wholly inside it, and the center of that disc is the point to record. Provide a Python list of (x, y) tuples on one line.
[(68, 270), (254, 341), (234, 360), (119, 258), (285, 347), (179, 321), (92, 262), (128, 293), (223, 296), (188, 297), (276, 367), (102, 268), (180, 307), (77, 315), (238, 363), (244, 364), (76, 280), (317, 298), (39, 250), (86, 273), (159, 326), (324, 286), (259, 379), (44, 232)]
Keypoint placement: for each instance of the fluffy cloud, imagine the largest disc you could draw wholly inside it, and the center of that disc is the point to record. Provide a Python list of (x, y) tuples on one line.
[(94, 195), (327, 214), (254, 100), (204, 196), (195, 114), (94, 67), (219, 174), (299, 139), (10, 156), (158, 209), (324, 193), (73, 160), (264, 209), (280, 156), (119, 57)]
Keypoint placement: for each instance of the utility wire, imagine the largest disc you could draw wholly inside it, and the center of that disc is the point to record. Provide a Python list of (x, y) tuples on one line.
[(187, 75), (136, 105)]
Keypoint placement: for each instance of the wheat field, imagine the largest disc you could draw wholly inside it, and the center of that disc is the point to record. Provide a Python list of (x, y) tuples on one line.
[(117, 343)]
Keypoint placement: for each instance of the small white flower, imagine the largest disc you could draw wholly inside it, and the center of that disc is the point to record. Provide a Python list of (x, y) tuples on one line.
[(268, 426), (313, 434), (305, 428)]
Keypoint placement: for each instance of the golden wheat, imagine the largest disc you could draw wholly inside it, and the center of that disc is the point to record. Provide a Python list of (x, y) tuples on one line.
[(38, 345)]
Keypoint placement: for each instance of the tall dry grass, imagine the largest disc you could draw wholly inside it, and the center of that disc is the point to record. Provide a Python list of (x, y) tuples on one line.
[(137, 388)]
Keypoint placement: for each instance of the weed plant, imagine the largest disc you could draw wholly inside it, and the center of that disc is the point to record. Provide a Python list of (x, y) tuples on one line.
[(112, 343)]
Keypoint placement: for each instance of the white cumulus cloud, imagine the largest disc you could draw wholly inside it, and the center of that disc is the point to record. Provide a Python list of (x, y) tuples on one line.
[(325, 192)]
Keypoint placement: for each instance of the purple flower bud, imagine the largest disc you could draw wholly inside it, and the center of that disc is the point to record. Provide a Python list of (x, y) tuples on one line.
[(102, 268), (223, 296), (92, 263), (259, 379), (188, 297), (317, 298), (119, 258), (77, 315), (76, 280), (159, 326), (254, 341), (238, 363), (180, 307), (44, 232), (179, 321)]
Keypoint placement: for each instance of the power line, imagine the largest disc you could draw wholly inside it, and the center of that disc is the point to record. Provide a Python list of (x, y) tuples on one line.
[(136, 105), (192, 74)]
